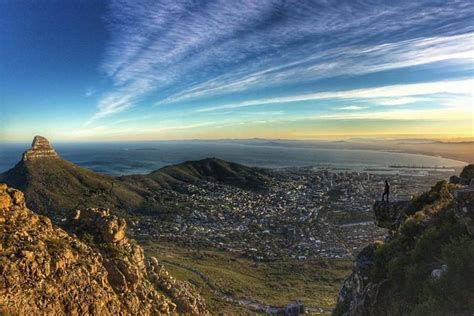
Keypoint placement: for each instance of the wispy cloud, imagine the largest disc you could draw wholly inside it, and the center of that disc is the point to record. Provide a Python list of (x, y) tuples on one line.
[(400, 101), (352, 107), (344, 60), (405, 115), (185, 50), (387, 95)]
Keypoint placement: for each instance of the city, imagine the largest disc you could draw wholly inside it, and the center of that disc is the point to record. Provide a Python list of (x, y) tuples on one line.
[(305, 213)]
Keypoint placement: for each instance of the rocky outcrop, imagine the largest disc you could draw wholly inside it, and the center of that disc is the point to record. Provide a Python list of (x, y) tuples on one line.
[(358, 291), (40, 148), (143, 285), (182, 293), (390, 214), (44, 270)]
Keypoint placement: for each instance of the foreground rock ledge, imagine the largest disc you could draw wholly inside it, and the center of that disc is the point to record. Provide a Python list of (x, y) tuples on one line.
[(46, 271)]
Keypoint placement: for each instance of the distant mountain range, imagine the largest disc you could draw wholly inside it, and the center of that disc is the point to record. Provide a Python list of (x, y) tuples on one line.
[(54, 185)]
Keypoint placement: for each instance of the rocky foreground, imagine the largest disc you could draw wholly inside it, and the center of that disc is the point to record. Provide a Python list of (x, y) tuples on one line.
[(425, 266), (46, 270)]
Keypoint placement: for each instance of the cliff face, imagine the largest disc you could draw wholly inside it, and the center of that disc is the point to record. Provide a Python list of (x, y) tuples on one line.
[(425, 266), (45, 270)]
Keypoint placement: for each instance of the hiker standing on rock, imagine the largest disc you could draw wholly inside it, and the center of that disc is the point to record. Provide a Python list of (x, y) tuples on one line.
[(386, 191)]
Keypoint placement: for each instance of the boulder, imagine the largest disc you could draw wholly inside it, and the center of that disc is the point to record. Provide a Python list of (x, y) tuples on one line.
[(437, 274)]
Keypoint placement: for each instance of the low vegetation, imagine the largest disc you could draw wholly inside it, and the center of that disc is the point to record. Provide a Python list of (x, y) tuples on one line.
[(429, 240), (314, 282)]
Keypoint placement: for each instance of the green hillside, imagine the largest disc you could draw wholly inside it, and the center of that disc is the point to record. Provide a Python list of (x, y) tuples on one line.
[(210, 169), (61, 186)]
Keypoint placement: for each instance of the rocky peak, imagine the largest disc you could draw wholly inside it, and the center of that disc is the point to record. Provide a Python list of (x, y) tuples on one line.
[(40, 148)]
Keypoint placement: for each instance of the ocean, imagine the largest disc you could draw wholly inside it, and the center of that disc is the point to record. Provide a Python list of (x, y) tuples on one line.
[(124, 158)]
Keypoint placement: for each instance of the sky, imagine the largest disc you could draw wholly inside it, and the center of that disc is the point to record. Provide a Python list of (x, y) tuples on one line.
[(172, 69)]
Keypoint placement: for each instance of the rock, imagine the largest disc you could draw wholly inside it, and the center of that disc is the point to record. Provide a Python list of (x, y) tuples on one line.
[(114, 229), (390, 214), (467, 173), (130, 272), (5, 200), (183, 294), (76, 214), (464, 209), (40, 148), (45, 271), (18, 198), (454, 179), (436, 274), (358, 290), (27, 254)]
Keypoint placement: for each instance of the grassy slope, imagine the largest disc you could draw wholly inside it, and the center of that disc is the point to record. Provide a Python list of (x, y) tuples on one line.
[(57, 184), (211, 169), (315, 283)]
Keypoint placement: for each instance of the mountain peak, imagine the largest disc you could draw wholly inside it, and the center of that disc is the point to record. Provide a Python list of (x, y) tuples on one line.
[(40, 148)]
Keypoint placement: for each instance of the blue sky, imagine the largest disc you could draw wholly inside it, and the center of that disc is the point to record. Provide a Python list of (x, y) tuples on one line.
[(108, 70)]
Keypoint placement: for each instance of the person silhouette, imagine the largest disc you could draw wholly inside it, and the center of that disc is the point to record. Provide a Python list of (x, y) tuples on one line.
[(386, 191)]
